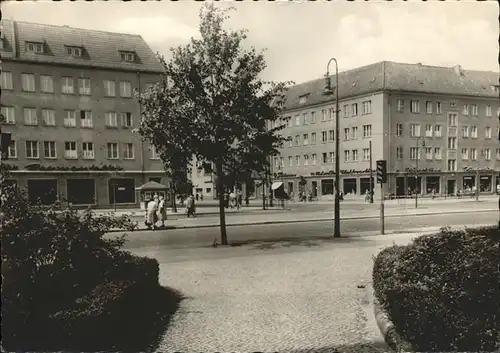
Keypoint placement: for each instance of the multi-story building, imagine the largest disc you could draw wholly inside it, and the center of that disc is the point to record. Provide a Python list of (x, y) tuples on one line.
[(445, 120), (68, 100)]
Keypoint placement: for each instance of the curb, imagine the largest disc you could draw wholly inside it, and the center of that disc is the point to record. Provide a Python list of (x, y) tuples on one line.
[(241, 224), (388, 331)]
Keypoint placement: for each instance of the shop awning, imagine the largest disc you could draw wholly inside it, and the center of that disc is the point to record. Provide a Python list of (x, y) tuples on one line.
[(276, 185)]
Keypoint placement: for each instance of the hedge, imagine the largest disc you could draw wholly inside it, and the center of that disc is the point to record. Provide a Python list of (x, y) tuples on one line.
[(441, 291)]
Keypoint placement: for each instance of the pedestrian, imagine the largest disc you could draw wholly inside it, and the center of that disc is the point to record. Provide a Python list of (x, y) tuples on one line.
[(367, 196), (232, 198), (162, 210), (197, 196), (190, 206), (240, 199), (201, 197), (151, 216)]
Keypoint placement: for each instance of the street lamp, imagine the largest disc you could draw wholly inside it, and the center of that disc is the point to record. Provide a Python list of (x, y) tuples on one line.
[(328, 92), (417, 187)]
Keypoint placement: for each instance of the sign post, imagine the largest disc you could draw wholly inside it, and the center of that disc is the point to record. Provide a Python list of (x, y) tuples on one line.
[(382, 179)]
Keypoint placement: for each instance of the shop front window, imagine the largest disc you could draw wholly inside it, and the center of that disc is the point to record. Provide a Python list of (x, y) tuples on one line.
[(485, 183), (469, 184), (364, 184), (432, 183), (350, 187), (327, 187)]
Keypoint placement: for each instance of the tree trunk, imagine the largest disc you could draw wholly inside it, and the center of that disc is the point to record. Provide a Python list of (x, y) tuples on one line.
[(220, 191), (263, 194), (174, 206)]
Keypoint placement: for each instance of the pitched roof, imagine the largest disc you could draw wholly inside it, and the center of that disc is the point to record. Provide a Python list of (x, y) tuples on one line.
[(100, 49), (392, 76)]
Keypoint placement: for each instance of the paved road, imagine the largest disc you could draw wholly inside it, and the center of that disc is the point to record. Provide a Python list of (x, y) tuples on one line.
[(181, 238), (302, 297)]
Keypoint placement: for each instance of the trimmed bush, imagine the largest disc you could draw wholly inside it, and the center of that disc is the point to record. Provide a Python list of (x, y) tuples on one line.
[(441, 292)]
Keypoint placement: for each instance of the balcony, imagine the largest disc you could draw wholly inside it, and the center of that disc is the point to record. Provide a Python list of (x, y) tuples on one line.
[(452, 131)]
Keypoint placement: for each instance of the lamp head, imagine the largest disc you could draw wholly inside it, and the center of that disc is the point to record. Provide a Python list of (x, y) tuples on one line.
[(328, 85)]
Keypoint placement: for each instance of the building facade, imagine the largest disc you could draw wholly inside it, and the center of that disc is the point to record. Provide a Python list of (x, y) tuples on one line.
[(68, 100), (437, 128)]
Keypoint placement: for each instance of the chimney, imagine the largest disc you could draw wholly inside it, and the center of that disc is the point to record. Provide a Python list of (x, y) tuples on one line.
[(458, 70)]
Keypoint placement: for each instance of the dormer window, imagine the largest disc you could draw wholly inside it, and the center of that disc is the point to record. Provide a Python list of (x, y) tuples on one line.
[(127, 56), (495, 88), (75, 52), (303, 98), (34, 47)]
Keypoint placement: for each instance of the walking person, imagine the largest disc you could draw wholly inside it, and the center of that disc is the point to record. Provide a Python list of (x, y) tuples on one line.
[(162, 210), (190, 206), (151, 216), (239, 199)]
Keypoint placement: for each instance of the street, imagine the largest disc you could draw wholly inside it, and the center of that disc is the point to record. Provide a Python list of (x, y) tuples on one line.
[(179, 238)]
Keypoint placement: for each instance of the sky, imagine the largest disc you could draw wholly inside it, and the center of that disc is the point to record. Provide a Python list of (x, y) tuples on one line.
[(300, 37)]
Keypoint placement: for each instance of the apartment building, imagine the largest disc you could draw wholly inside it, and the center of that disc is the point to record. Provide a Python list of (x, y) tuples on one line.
[(443, 120), (68, 100)]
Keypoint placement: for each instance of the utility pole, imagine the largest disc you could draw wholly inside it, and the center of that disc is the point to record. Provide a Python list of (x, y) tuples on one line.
[(417, 187), (477, 184), (371, 175)]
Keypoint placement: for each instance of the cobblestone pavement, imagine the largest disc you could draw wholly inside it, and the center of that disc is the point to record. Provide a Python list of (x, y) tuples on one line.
[(284, 297)]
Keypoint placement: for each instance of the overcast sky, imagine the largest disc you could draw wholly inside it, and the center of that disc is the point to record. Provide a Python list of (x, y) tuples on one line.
[(300, 37)]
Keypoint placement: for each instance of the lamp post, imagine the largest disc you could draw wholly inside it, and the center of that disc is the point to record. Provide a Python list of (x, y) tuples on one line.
[(328, 91), (416, 169)]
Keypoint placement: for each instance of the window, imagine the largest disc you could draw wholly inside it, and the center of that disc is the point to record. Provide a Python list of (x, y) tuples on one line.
[(465, 131), (67, 85), (314, 158), (346, 111), (347, 156), (7, 82), (75, 52), (414, 130), (438, 108), (276, 162), (452, 165), (46, 84), (306, 159), (48, 117), (297, 140), (282, 162), (347, 134), (109, 88), (428, 153), (128, 151), (305, 138), (110, 119), (414, 153), (86, 118), (437, 153), (313, 117), (112, 149), (30, 117), (498, 154), (305, 116), (127, 56), (465, 154), (324, 136), (414, 106), (34, 47), (331, 135), (487, 132), (331, 157), (32, 149), (400, 105), (488, 111), (452, 143), (297, 120), (452, 119), (399, 152), (297, 161), (354, 132), (428, 107), (428, 130), (70, 118), (84, 86), (366, 154), (354, 109), (399, 129), (325, 158), (354, 155), (475, 110), (313, 138), (367, 107), (290, 161), (437, 131), (125, 89), (126, 119), (9, 114), (49, 149), (12, 149), (88, 150), (466, 109), (332, 113), (323, 115), (473, 132), (487, 154), (28, 82), (473, 154), (154, 153), (70, 150), (288, 121), (367, 130), (290, 141)]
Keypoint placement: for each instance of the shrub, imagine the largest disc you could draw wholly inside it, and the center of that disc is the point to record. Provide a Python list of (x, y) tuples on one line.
[(441, 292)]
